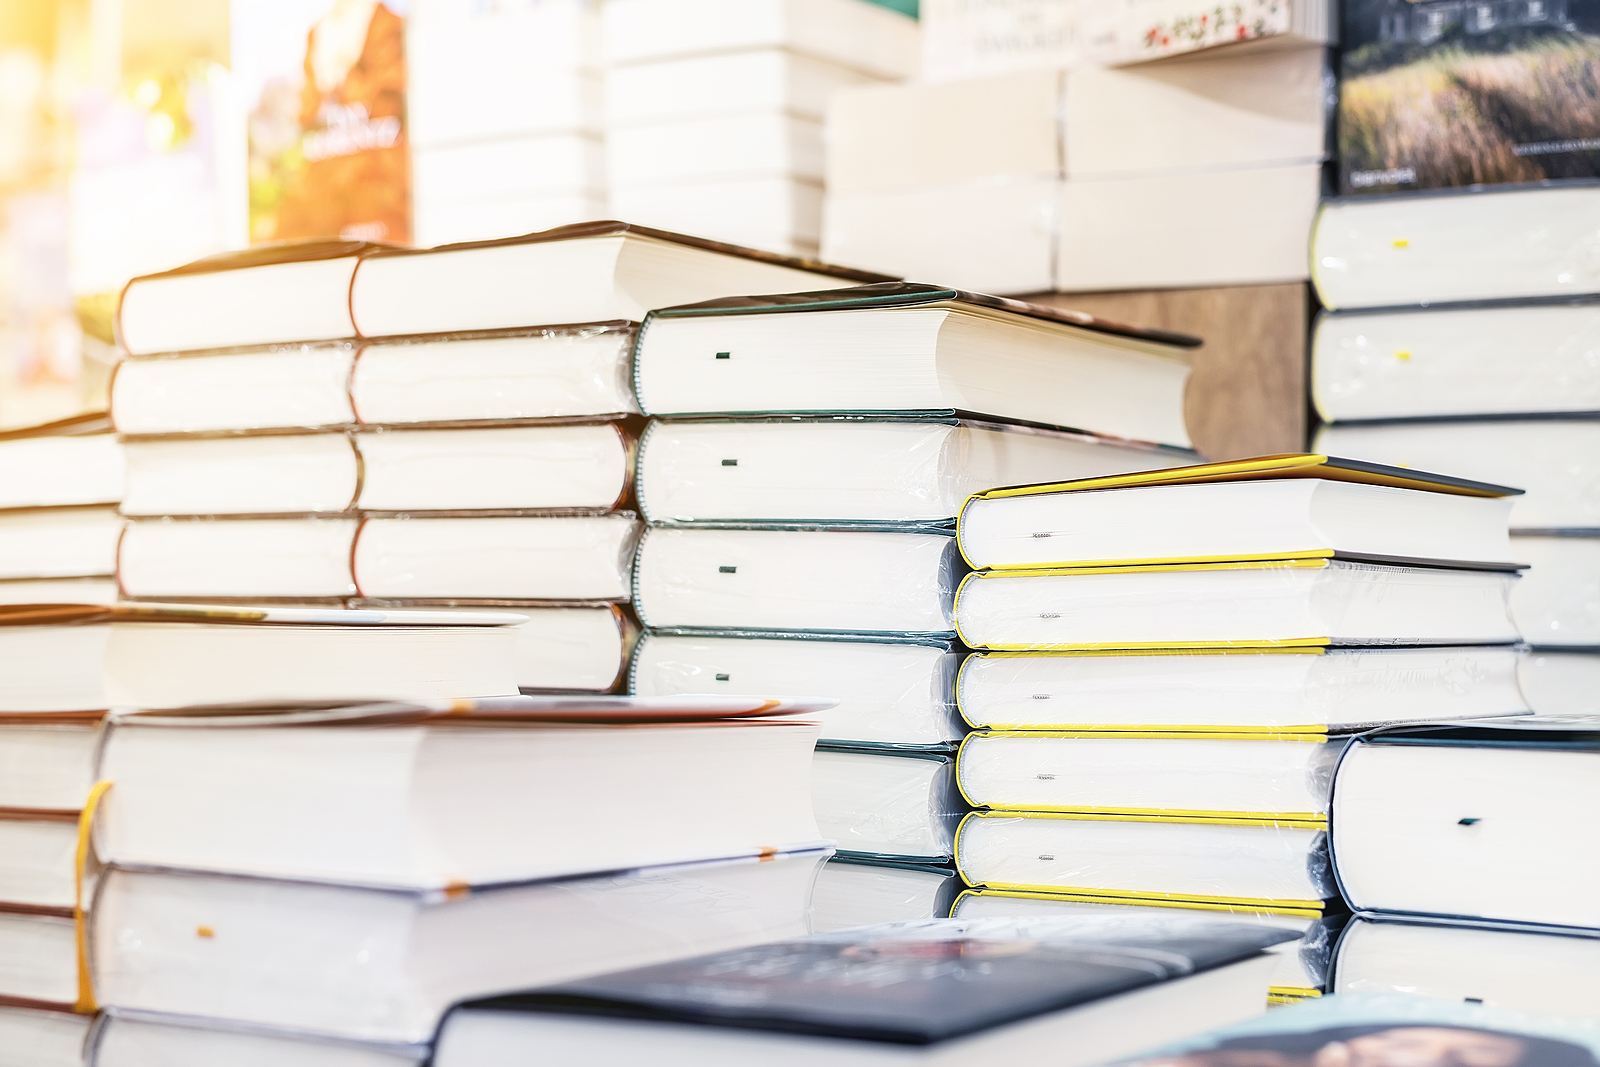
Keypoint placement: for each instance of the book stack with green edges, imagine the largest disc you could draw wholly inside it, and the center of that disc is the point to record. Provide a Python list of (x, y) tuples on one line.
[(1171, 663), (801, 480)]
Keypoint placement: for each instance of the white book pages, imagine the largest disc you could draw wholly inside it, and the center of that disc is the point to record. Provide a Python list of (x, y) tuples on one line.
[(53, 669), (1241, 864), (39, 860), (288, 387), (68, 543), (38, 959), (867, 37), (1557, 602), (891, 693), (887, 805), (571, 649), (1561, 683), (1231, 110), (988, 235), (490, 220), (769, 79), (146, 1039), (278, 473), (1469, 361), (1490, 245), (779, 214), (1469, 832), (1342, 689), (1556, 461), (60, 471), (58, 591), (44, 1038), (274, 559), (822, 581), (576, 557), (49, 766), (857, 894), (727, 147), (1143, 232), (549, 374), (1541, 973)]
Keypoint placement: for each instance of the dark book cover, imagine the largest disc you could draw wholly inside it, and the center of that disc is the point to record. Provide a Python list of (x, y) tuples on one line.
[(911, 983), (1440, 94)]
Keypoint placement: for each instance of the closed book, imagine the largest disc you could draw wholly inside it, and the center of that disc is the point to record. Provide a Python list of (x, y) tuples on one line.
[(1488, 244), (1561, 682), (385, 965), (1302, 602), (809, 580), (868, 470), (889, 692), (1299, 691), (913, 348), (855, 891), (1554, 460), (47, 1037), (92, 590), (40, 947), (132, 1038), (303, 386), (1435, 362), (47, 764), (38, 869), (58, 543), (885, 804), (287, 474), (73, 462), (1557, 602), (1471, 821), (1302, 965), (1001, 988), (1282, 507), (1498, 966)]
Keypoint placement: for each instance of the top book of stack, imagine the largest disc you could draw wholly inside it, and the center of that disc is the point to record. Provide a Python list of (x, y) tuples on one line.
[(336, 290)]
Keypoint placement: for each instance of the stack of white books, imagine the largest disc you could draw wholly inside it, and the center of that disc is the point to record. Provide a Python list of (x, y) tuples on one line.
[(1172, 664), (505, 110), (714, 109), (341, 424), (1462, 335), (810, 453), (1203, 171)]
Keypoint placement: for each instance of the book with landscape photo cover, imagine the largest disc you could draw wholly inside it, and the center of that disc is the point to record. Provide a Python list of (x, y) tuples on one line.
[(1438, 94)]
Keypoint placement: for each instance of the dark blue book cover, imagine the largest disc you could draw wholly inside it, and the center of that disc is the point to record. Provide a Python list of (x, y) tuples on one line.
[(912, 983)]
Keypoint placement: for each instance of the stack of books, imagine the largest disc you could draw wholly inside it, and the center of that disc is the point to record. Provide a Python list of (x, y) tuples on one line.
[(800, 482), (1083, 177), (59, 485), (504, 105), (1460, 335), (1466, 850), (341, 424), (1171, 665), (714, 109)]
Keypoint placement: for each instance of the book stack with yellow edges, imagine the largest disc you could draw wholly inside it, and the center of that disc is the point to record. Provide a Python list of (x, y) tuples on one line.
[(59, 485), (1170, 663), (801, 479), (336, 423)]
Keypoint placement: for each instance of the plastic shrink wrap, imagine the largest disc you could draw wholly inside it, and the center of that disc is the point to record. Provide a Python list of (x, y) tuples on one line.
[(888, 692), (850, 893), (900, 806)]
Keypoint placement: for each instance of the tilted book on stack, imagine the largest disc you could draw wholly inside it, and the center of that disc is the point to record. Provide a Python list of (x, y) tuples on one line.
[(800, 478), (1172, 661), (1462, 334), (454, 427)]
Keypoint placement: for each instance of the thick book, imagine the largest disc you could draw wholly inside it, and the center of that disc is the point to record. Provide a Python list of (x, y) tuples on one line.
[(1557, 602), (133, 1038), (860, 891), (1239, 691), (1269, 603), (47, 763), (40, 946), (385, 965), (906, 347), (1254, 862), (47, 1036), (1472, 820), (1561, 681), (59, 543), (889, 692), (1501, 966), (472, 789), (37, 868), (69, 463), (1302, 967), (1441, 96), (1444, 362), (857, 470), (1477, 245), (937, 991), (1557, 460), (1223, 776), (785, 580), (1291, 506), (884, 804), (81, 659), (590, 272)]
